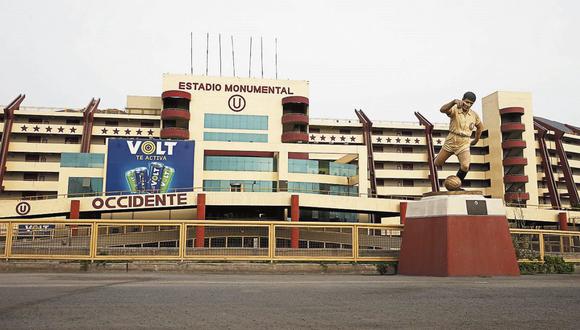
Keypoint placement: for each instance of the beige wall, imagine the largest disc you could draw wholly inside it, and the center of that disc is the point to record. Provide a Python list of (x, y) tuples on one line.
[(217, 101), (212, 101), (492, 121)]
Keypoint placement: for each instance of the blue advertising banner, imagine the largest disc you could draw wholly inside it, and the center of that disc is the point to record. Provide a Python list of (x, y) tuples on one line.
[(36, 230), (149, 166)]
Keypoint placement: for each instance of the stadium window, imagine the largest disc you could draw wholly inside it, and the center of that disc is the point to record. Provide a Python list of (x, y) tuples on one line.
[(73, 121), (407, 133), (30, 176), (314, 130), (408, 166), (407, 150), (71, 140), (28, 194), (169, 123), (147, 124), (111, 123), (32, 158), (35, 120), (85, 160), (316, 245), (33, 139), (235, 187), (235, 163), (378, 149), (408, 183), (344, 131), (84, 185)]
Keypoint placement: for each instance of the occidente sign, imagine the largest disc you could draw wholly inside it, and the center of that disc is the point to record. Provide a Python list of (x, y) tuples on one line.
[(136, 201)]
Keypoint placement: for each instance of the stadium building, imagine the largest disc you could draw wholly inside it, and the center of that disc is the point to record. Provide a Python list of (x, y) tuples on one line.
[(244, 148)]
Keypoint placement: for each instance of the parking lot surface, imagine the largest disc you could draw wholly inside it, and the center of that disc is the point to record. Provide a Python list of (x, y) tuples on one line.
[(202, 301)]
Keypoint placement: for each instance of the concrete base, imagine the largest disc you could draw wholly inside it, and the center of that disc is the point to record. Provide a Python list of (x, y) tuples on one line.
[(457, 236)]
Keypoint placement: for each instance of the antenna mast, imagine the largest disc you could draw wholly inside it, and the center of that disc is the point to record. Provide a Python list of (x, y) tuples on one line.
[(206, 53), (250, 64), (191, 53), (233, 56), (220, 42)]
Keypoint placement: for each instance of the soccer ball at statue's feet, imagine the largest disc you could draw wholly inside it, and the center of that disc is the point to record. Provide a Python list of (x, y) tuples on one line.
[(452, 183)]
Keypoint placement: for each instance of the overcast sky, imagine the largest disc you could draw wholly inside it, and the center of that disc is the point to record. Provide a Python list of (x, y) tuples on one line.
[(389, 58)]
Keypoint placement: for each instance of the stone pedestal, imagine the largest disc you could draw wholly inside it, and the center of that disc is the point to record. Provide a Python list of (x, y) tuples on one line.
[(457, 235)]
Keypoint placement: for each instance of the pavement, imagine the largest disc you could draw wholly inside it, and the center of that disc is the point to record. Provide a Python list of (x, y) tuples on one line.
[(116, 300)]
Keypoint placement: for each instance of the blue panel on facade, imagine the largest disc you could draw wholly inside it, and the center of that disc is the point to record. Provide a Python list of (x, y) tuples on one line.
[(233, 163), (141, 166), (213, 120), (78, 159), (235, 137)]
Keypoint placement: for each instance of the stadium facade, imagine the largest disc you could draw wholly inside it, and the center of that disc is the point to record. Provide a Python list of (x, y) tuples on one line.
[(244, 147)]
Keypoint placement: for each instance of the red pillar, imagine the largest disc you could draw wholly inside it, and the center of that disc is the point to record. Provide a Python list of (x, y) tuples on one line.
[(294, 216), (4, 145), (75, 208), (88, 120), (200, 230), (403, 211), (563, 220)]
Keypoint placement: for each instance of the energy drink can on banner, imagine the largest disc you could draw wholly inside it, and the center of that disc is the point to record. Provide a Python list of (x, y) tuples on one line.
[(142, 178), (155, 174), (168, 173), (131, 180)]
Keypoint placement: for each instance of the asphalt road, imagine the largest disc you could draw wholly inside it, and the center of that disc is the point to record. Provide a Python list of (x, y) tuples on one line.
[(162, 300)]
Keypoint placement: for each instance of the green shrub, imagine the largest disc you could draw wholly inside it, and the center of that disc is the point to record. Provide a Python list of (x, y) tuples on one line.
[(387, 268), (551, 265)]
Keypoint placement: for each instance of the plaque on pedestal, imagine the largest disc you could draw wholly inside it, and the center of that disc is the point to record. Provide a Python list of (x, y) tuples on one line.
[(457, 234)]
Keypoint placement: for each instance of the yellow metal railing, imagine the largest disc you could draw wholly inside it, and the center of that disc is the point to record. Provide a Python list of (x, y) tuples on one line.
[(178, 240), (534, 244), (237, 240)]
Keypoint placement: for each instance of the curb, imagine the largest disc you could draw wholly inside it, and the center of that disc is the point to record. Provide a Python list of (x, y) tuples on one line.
[(196, 267)]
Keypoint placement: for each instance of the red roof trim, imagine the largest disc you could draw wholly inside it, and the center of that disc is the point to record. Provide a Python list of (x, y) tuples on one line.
[(518, 110), (515, 161), (175, 114), (295, 99), (174, 133), (510, 196), (513, 178), (513, 144), (294, 137), (513, 127), (298, 155), (176, 94), (295, 118)]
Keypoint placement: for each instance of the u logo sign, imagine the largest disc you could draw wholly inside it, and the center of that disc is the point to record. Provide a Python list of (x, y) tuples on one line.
[(23, 208), (237, 103)]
